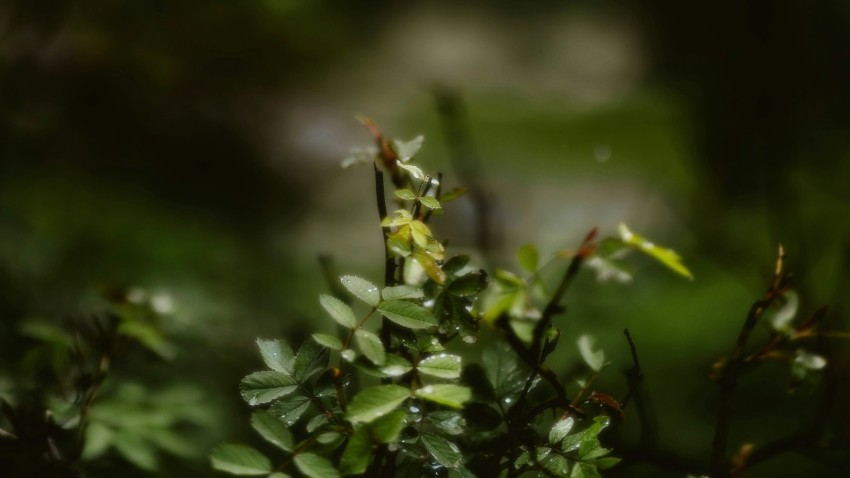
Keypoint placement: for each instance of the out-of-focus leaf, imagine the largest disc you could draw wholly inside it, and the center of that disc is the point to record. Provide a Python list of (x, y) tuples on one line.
[(453, 194), (277, 355), (362, 289), (781, 319), (469, 284), (608, 269), (263, 387), (315, 466), (444, 452), (149, 336), (338, 310), (375, 402), (407, 314), (405, 194), (594, 359), (328, 341), (448, 421), (528, 257), (240, 460), (668, 257), (272, 429), (371, 346), (408, 149), (441, 365), (447, 394)]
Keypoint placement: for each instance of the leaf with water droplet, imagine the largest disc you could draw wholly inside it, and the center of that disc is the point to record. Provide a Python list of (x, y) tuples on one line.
[(338, 310), (441, 365), (240, 460), (444, 452), (396, 366), (362, 289), (311, 359), (263, 387), (447, 394), (291, 408), (272, 429), (388, 427), (561, 429), (402, 292), (375, 402), (371, 346), (276, 354)]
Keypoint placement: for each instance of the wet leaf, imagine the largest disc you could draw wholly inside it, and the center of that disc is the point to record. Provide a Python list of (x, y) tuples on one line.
[(311, 359), (388, 427), (362, 289), (263, 387), (277, 355), (561, 429), (402, 292), (444, 452), (328, 341), (407, 314), (358, 452), (371, 346), (441, 365), (447, 394)]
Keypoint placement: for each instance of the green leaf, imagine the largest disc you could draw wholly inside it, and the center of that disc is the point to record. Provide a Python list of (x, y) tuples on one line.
[(504, 370), (315, 466), (782, 317), (291, 408), (441, 365), (405, 194), (446, 394), (396, 366), (407, 314), (608, 269), (362, 289), (355, 459), (430, 203), (371, 346), (277, 355), (469, 285), (388, 427), (149, 336), (584, 470), (444, 452), (375, 402), (408, 149), (594, 359), (272, 429), (338, 310), (278, 474), (668, 257), (606, 462), (311, 359), (240, 460), (561, 429), (450, 422), (528, 257), (402, 292), (263, 387), (453, 194), (136, 450), (328, 341)]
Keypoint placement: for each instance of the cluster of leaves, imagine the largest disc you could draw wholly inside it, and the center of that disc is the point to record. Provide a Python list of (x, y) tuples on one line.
[(394, 393), (60, 412)]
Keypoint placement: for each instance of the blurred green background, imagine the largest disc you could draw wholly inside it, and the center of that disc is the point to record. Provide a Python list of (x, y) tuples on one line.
[(191, 150)]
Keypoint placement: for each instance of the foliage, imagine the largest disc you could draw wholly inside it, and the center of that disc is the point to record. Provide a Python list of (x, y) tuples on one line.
[(404, 389)]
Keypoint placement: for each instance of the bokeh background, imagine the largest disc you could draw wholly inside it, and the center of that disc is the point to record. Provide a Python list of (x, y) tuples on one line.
[(191, 150)]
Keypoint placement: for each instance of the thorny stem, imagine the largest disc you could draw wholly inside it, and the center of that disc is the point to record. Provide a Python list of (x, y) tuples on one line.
[(729, 379)]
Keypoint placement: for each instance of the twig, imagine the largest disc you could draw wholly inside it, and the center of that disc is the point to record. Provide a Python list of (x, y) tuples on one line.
[(729, 379)]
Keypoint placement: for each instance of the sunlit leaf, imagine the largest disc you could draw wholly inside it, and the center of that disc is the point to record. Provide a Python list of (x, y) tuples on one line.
[(375, 402), (315, 466), (338, 310), (272, 429), (407, 314), (362, 289), (263, 387), (371, 346), (447, 394), (444, 452), (396, 366), (594, 359), (440, 365), (328, 341), (668, 257), (240, 460), (414, 171), (561, 429)]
